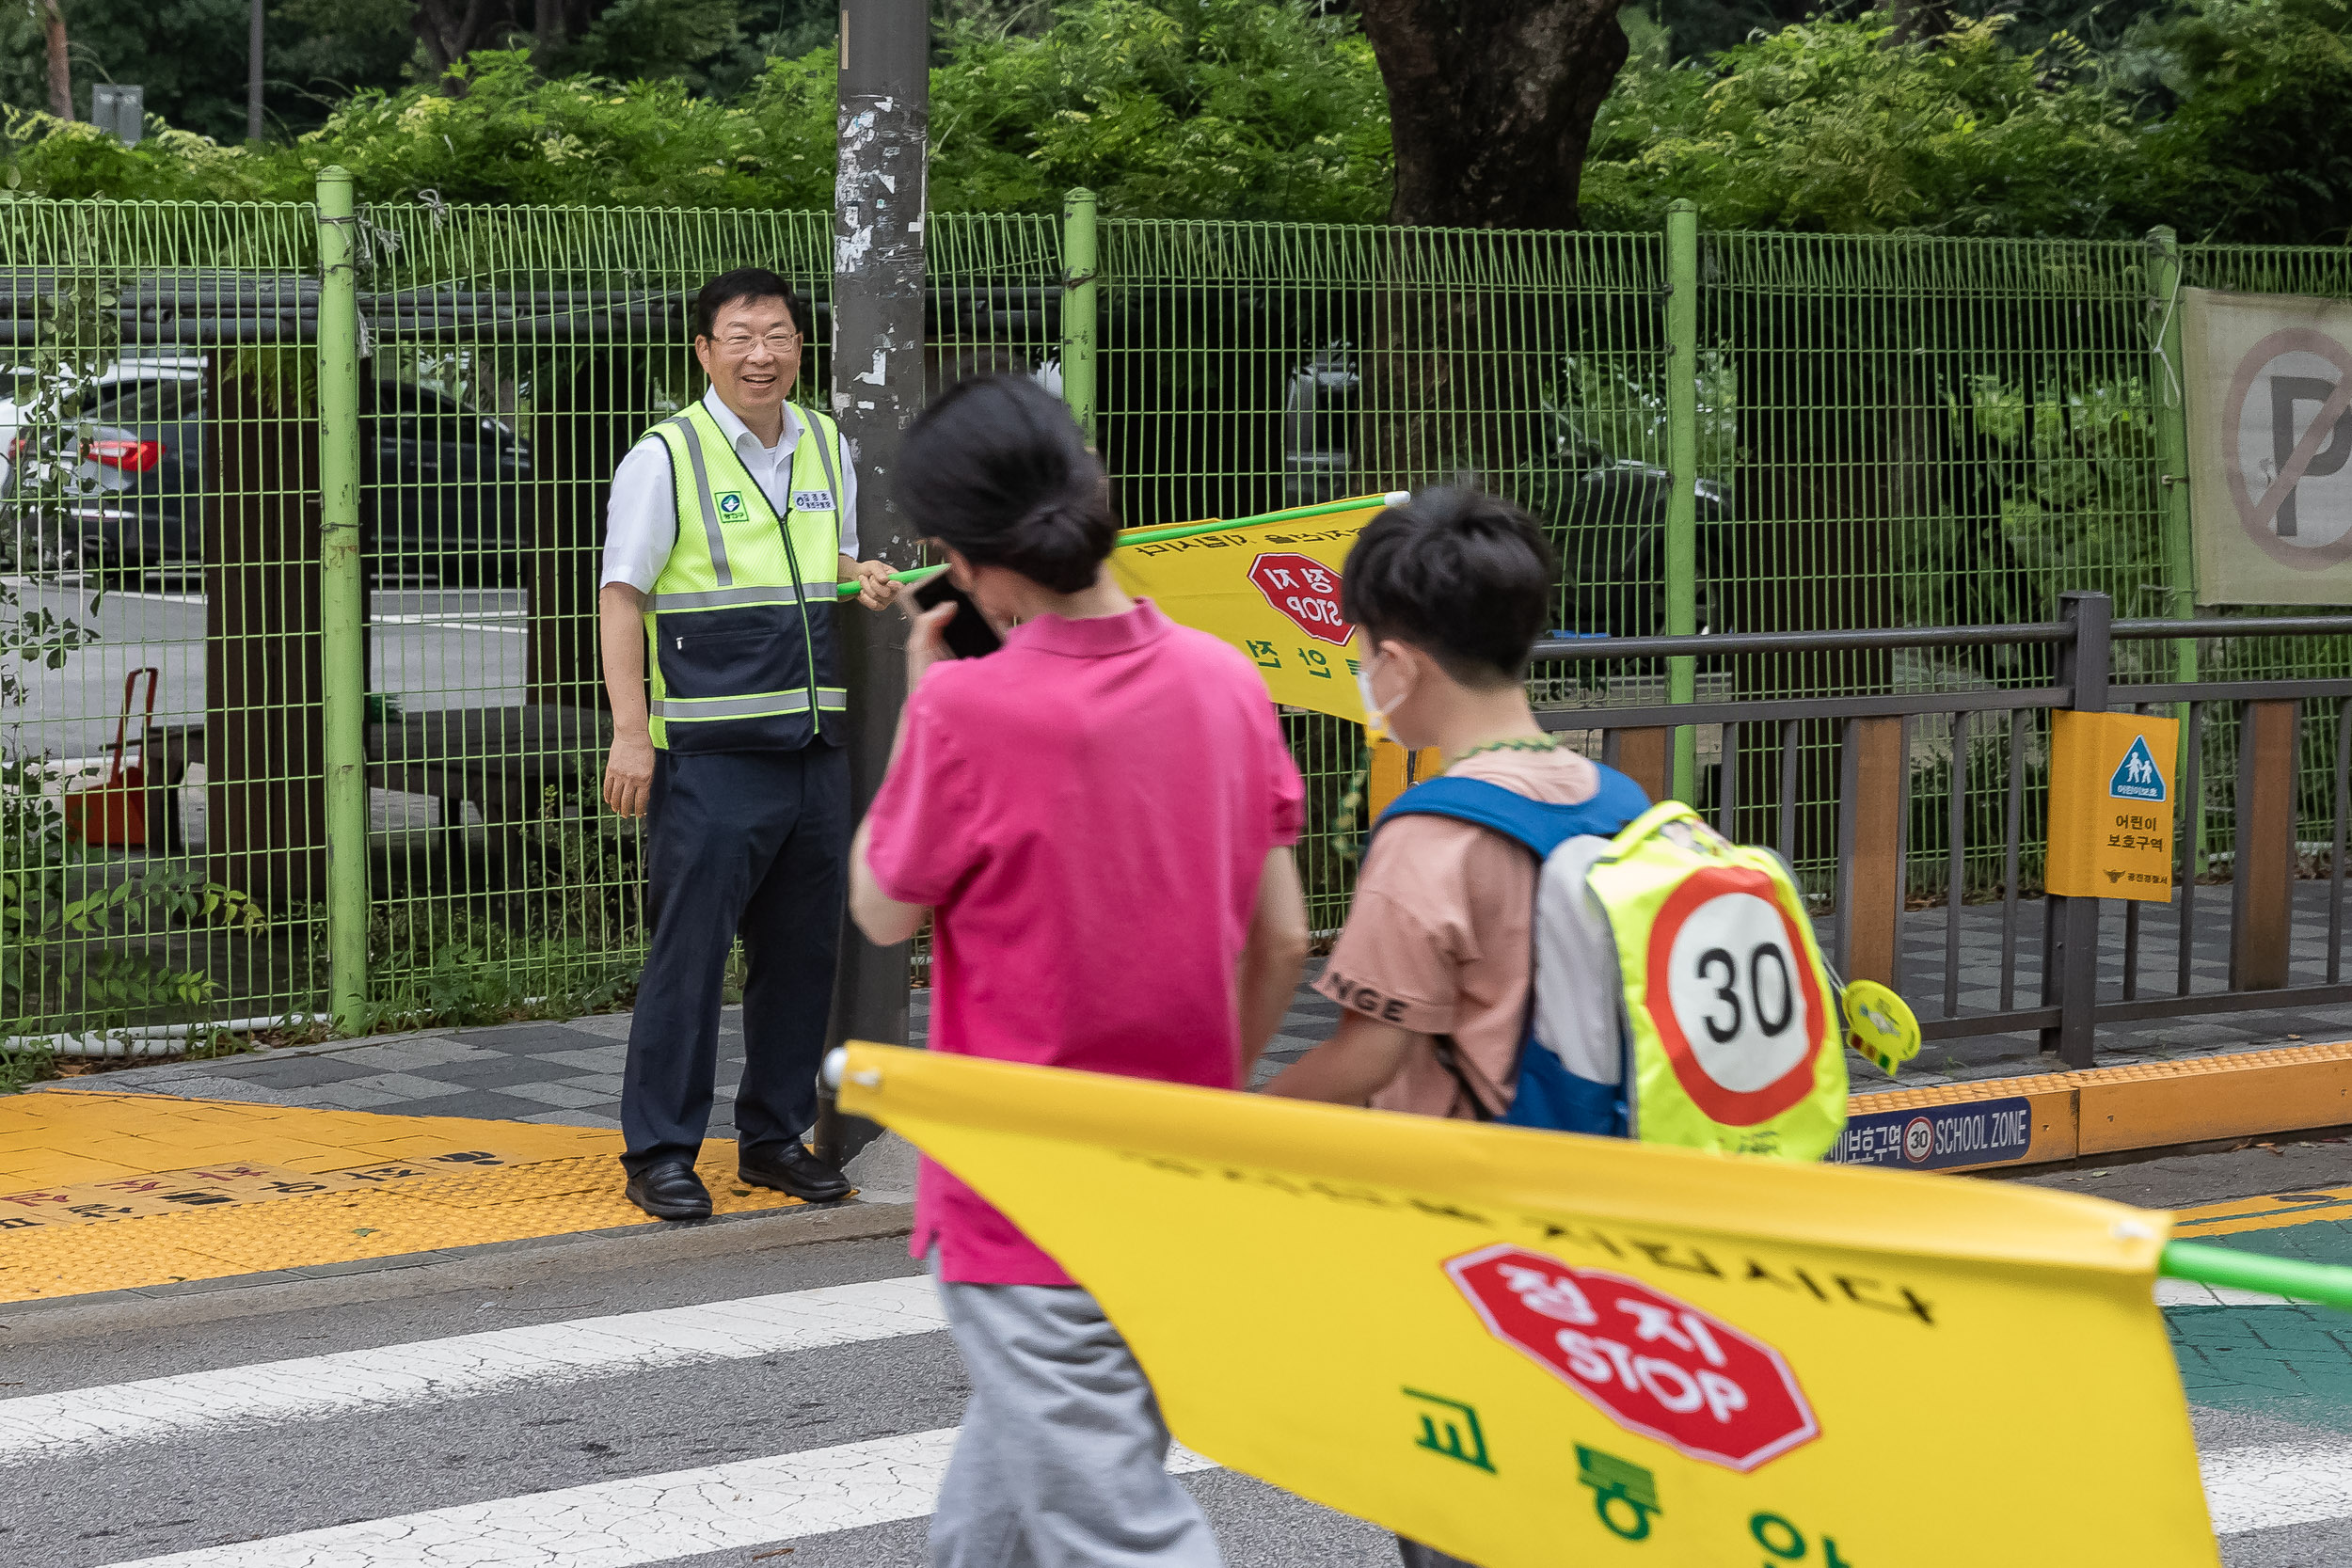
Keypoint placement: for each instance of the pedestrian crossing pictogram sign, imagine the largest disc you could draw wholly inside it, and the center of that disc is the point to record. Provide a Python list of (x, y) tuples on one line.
[(2112, 817), (2136, 777)]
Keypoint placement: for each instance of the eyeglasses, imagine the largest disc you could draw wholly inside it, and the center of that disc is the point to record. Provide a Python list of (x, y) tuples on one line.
[(737, 344)]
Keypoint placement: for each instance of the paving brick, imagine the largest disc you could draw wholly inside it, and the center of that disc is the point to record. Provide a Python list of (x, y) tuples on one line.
[(559, 1094)]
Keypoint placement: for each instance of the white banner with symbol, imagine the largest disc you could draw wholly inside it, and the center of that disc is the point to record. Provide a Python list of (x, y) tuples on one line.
[(2269, 385)]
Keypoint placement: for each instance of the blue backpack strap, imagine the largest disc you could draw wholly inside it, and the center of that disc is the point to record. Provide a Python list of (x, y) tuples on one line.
[(1541, 825)]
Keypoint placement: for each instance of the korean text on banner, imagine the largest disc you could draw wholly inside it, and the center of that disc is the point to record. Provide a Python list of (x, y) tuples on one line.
[(2268, 379), (2112, 805), (1529, 1348), (1271, 589)]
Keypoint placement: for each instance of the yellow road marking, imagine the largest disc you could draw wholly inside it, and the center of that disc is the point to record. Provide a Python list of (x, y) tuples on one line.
[(2270, 1211)]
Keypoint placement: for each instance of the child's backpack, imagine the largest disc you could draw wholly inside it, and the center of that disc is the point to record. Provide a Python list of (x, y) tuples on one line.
[(1678, 995)]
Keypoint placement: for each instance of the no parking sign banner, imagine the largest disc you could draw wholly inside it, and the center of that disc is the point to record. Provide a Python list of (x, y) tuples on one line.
[(1529, 1349), (2269, 387)]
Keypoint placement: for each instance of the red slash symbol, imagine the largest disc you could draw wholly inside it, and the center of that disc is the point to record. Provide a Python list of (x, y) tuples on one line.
[(1304, 590)]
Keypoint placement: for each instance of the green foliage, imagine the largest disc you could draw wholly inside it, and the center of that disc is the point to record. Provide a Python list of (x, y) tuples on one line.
[(190, 56), (558, 942), (2255, 143), (1195, 108), (1826, 126), (2227, 119)]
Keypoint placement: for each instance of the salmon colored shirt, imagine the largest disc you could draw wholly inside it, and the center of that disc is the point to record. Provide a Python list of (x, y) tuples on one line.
[(1440, 938), (1087, 812)]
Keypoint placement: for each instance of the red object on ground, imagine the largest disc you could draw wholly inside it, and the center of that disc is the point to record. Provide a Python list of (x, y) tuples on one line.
[(1651, 1363), (115, 812)]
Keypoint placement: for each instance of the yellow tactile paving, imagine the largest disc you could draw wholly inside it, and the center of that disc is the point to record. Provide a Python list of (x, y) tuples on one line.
[(194, 1189)]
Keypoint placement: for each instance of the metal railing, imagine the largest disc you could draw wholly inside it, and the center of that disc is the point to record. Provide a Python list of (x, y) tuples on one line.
[(2250, 824), (1740, 435)]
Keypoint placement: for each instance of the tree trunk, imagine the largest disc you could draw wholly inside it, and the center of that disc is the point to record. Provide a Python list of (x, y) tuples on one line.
[(1491, 105), (450, 31), (60, 66)]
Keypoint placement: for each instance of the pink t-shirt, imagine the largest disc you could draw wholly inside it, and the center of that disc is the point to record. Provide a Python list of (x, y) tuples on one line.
[(1087, 812)]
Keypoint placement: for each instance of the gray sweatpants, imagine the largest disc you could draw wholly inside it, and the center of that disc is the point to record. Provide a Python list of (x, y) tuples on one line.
[(1062, 1462)]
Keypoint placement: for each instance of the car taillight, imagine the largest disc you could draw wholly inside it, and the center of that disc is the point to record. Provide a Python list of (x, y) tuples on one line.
[(132, 457)]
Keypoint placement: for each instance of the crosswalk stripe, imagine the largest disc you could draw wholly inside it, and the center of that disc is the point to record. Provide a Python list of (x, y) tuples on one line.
[(2264, 1485), (647, 1519), (2184, 1292), (83, 1421)]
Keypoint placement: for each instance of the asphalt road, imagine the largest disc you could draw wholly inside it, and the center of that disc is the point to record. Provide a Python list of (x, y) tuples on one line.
[(772, 1388), (429, 647)]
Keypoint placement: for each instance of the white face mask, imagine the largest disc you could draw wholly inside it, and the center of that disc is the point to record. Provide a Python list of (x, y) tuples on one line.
[(1376, 716)]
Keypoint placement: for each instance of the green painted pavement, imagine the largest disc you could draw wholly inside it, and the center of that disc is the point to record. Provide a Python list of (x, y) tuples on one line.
[(2290, 1362)]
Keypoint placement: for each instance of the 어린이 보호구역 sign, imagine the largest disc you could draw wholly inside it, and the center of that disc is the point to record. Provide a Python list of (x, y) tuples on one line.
[(2112, 810)]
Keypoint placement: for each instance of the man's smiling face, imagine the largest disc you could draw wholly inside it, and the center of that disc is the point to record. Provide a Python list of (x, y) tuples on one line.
[(753, 357)]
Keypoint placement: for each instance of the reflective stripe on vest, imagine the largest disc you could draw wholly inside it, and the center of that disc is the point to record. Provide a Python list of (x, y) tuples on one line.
[(739, 624), (1736, 1041)]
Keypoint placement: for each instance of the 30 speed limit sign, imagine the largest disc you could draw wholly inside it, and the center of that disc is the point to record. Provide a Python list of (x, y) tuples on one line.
[(1739, 1011)]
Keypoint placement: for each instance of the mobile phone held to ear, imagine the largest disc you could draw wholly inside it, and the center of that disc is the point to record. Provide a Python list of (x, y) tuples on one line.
[(968, 633)]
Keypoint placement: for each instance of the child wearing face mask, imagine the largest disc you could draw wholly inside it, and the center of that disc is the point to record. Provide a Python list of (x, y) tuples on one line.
[(1448, 594)]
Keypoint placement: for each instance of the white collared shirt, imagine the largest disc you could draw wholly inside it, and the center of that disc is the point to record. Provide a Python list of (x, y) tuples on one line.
[(640, 520)]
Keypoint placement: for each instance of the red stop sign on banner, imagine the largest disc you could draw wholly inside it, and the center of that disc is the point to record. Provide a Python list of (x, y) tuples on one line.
[(1651, 1363), (1304, 590)]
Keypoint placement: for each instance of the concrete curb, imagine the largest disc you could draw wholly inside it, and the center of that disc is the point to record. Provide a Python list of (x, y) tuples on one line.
[(2117, 1110), (652, 1245)]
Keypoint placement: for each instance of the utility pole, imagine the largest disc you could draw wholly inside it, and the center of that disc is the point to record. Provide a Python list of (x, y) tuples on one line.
[(253, 75), (877, 373)]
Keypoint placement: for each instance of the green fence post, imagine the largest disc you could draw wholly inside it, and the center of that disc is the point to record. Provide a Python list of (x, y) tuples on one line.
[(1682, 465), (1077, 306), (2180, 560), (341, 603)]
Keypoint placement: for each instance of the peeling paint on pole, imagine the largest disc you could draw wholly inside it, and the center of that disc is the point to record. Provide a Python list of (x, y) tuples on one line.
[(877, 366)]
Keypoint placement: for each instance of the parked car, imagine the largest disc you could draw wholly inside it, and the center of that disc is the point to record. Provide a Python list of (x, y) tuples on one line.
[(1606, 515), (440, 483)]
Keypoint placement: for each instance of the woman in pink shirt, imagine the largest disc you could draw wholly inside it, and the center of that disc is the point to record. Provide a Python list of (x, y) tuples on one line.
[(1097, 819)]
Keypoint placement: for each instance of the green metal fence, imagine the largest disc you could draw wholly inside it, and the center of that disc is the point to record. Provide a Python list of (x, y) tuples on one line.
[(338, 475)]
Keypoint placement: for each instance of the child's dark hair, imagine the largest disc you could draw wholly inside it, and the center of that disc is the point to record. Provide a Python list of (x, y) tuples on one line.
[(1465, 577), (746, 283), (999, 469)]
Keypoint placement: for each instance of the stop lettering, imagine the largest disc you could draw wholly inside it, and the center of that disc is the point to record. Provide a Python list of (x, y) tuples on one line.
[(1652, 1364), (1304, 590)]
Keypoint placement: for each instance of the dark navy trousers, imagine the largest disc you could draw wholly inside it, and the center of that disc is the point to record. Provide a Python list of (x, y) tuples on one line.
[(754, 844)]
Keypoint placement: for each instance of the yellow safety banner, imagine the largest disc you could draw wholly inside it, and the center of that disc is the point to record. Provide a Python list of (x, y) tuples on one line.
[(1529, 1349), (1271, 589), (2112, 805)]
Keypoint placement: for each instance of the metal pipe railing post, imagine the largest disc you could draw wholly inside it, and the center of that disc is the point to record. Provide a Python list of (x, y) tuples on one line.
[(2170, 402), (2070, 926), (342, 609), (1682, 461), (1079, 253)]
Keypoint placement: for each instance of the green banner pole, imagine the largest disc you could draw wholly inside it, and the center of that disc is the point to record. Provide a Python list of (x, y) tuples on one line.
[(2325, 1283), (1160, 536)]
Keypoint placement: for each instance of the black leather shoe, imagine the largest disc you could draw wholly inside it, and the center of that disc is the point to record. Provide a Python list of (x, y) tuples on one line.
[(789, 1167), (670, 1191)]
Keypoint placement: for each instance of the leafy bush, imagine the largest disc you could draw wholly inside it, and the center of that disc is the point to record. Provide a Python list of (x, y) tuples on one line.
[(1193, 108)]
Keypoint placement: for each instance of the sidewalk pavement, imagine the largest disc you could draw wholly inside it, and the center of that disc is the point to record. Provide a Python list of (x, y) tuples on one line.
[(560, 1074)]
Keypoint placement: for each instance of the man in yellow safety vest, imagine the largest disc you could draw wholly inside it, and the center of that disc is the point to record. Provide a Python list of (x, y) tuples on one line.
[(730, 528)]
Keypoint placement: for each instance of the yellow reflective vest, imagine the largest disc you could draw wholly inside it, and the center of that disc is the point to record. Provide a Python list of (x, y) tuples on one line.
[(743, 654)]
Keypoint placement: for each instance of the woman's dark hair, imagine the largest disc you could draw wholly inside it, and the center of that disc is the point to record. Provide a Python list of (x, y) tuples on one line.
[(1463, 576), (746, 283), (998, 468)]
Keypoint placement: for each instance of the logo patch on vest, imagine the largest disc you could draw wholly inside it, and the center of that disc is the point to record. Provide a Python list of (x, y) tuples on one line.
[(812, 500), (730, 505)]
